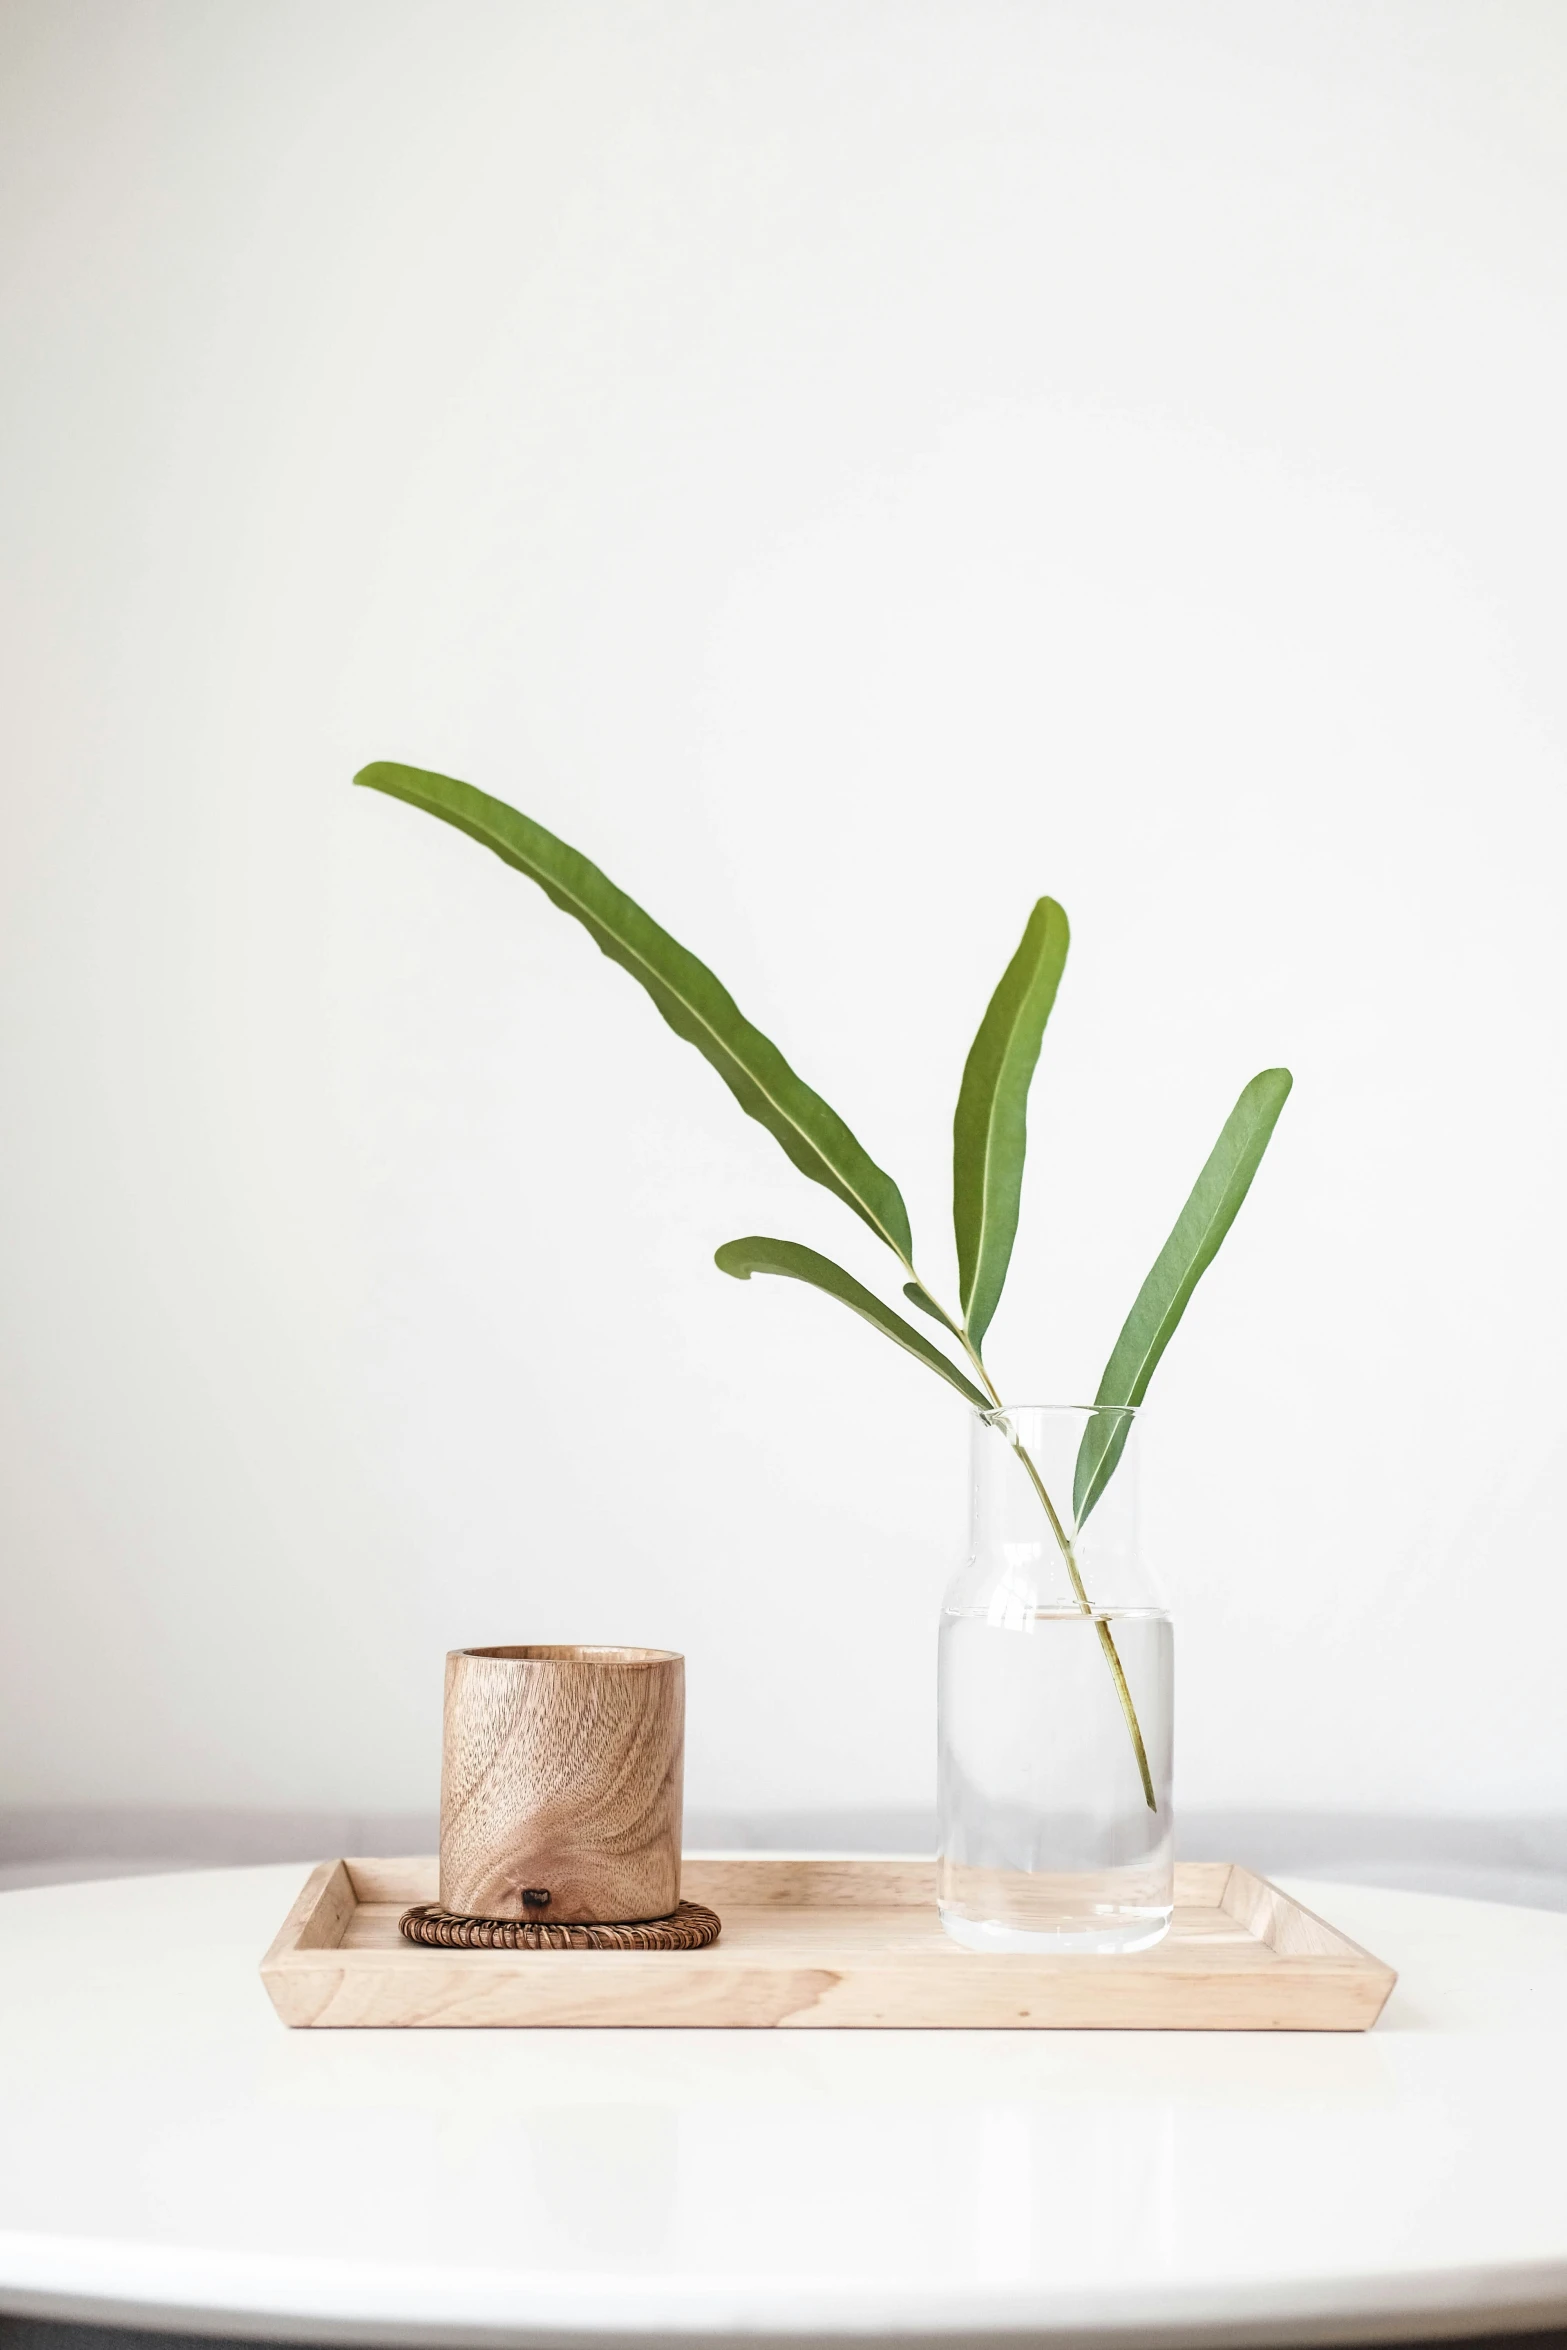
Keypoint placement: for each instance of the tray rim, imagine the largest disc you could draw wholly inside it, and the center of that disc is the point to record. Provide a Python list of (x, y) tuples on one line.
[(1305, 1950)]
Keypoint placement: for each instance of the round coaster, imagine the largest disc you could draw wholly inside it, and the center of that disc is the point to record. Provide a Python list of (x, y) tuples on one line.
[(690, 1927)]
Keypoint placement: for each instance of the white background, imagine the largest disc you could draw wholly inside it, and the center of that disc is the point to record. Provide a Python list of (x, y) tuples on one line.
[(848, 468)]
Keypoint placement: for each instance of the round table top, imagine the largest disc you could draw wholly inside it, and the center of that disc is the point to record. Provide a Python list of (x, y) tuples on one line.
[(173, 2155)]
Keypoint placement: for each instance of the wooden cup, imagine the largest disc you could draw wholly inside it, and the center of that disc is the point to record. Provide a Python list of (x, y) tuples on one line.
[(561, 1782)]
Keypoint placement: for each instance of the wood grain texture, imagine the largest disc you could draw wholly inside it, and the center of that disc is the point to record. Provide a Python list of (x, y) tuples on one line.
[(814, 1944), (328, 1902), (561, 1778)]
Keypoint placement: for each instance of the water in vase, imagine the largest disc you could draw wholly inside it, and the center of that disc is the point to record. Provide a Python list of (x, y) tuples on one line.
[(1047, 1840)]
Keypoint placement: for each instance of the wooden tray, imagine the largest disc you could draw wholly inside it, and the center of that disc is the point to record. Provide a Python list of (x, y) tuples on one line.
[(818, 1943)]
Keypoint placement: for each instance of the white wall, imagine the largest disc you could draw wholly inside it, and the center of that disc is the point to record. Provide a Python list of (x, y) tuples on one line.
[(848, 468)]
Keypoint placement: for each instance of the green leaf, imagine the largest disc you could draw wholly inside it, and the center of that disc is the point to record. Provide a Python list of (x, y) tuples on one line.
[(757, 1254), (1179, 1266), (990, 1130), (695, 1003), (918, 1296)]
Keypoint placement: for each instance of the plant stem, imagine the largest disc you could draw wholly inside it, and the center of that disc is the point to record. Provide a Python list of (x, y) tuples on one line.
[(1106, 1636), (1112, 1655)]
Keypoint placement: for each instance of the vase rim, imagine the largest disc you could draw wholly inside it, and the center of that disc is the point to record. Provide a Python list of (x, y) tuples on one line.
[(994, 1412)]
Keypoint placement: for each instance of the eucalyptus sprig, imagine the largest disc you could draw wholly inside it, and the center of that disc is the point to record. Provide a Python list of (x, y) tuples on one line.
[(989, 1144)]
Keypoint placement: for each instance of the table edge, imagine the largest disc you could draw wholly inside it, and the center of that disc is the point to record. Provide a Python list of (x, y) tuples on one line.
[(253, 2298)]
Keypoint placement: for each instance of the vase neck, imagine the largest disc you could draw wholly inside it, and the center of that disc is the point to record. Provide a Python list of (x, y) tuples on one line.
[(1055, 1522)]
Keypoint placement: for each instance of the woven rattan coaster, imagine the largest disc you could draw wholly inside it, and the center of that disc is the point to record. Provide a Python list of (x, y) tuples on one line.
[(690, 1927)]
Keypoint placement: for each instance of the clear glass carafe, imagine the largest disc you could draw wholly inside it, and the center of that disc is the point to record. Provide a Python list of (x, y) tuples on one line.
[(1054, 1697)]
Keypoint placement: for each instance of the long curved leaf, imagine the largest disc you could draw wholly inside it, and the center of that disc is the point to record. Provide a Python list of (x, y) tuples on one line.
[(757, 1254), (990, 1130), (693, 1001), (917, 1296), (1179, 1266)]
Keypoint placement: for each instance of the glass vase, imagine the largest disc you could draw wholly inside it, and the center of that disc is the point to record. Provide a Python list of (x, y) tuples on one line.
[(1054, 1697)]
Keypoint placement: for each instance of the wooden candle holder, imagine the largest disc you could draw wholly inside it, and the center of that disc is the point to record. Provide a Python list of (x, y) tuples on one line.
[(561, 1784)]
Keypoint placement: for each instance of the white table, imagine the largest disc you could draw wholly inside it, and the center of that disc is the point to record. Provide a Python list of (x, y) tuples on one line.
[(170, 2155)]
